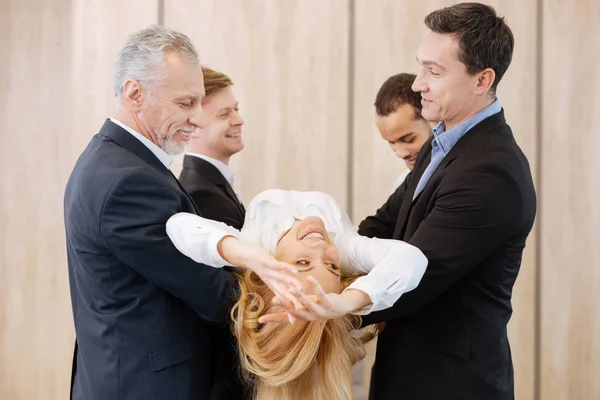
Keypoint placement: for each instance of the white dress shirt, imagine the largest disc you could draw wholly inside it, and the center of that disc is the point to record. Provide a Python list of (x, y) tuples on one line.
[(394, 267), (165, 158)]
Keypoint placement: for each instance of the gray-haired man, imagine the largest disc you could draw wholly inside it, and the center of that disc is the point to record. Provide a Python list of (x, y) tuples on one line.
[(140, 306)]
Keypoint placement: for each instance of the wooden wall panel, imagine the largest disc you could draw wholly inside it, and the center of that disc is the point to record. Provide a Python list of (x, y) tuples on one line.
[(289, 63), (570, 217), (517, 93), (387, 35), (34, 300), (56, 90), (100, 28)]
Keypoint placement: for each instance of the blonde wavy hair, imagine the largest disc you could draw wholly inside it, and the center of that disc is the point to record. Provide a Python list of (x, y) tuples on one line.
[(302, 361)]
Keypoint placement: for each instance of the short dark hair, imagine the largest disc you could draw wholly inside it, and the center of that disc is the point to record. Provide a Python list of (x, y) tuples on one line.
[(484, 39), (397, 91)]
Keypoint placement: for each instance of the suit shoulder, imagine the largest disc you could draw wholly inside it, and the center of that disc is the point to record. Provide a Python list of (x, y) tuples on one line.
[(193, 180), (498, 170), (496, 146)]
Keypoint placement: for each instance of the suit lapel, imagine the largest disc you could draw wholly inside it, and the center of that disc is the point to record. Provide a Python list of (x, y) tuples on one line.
[(186, 193), (215, 176), (468, 140), (423, 161), (132, 144), (230, 192)]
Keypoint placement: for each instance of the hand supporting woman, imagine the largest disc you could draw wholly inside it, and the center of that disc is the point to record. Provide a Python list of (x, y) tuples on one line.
[(316, 306), (277, 275)]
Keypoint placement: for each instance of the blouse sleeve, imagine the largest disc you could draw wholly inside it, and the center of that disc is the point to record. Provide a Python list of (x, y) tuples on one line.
[(393, 268), (198, 237)]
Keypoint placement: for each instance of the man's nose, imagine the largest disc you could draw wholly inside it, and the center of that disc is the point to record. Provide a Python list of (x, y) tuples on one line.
[(401, 151), (238, 120), (419, 84)]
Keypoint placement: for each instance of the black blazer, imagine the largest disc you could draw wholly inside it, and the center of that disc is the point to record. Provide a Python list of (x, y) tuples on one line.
[(140, 306), (447, 339), (216, 200), (211, 192)]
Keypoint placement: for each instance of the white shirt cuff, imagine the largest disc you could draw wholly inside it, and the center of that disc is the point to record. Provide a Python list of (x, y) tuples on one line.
[(198, 237)]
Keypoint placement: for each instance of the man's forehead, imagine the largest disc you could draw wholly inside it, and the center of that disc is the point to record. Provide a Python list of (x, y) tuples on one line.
[(178, 69), (221, 98), (185, 78), (404, 114), (398, 124), (184, 87), (437, 47)]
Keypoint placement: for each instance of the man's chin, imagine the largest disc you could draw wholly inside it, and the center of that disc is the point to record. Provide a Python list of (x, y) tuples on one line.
[(174, 149), (430, 117), (234, 150)]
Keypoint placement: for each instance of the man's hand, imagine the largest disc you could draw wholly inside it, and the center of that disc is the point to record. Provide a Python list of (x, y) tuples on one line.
[(275, 274), (318, 306)]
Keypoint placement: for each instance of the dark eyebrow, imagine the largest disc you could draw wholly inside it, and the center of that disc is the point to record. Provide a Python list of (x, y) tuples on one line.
[(427, 62), (404, 136)]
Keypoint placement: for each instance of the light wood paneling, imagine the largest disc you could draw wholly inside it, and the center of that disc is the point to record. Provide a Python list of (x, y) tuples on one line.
[(386, 40), (517, 93), (570, 217), (56, 90), (100, 28), (35, 322), (289, 63), (388, 34)]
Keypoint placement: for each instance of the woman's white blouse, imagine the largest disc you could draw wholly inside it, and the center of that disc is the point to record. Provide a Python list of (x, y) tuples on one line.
[(393, 267)]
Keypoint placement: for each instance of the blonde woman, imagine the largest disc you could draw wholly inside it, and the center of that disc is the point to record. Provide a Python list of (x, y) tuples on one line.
[(310, 358)]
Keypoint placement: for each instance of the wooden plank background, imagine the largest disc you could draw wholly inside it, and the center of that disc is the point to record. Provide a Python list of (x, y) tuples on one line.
[(306, 73)]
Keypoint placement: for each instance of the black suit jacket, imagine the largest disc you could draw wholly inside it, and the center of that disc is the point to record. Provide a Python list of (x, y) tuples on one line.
[(211, 192), (216, 200), (447, 338), (140, 306)]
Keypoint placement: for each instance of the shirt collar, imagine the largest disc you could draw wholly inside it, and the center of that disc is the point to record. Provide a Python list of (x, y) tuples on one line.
[(223, 168), (446, 139), (165, 158)]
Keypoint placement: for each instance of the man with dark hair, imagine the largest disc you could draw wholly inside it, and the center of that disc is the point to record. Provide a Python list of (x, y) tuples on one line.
[(399, 121), (469, 205)]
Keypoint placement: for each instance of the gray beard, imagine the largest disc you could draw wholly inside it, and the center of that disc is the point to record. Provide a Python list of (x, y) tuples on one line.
[(172, 148)]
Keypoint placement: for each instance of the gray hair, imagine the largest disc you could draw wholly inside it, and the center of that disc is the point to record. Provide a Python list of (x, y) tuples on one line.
[(142, 56)]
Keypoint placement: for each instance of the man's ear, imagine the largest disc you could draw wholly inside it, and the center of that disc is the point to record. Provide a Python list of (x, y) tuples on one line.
[(485, 80), (133, 94)]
